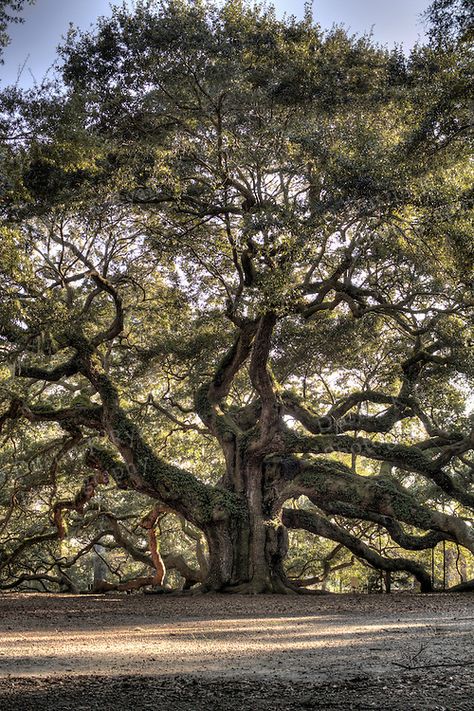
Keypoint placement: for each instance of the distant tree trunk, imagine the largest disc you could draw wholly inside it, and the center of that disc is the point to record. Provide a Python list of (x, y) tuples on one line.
[(99, 567)]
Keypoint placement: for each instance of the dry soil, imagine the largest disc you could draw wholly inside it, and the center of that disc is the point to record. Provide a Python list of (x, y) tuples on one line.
[(161, 652)]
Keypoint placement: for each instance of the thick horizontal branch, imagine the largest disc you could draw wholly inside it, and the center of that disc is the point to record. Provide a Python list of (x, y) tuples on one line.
[(89, 416), (392, 526), (336, 421), (328, 483), (314, 523), (66, 370), (408, 458), (145, 471)]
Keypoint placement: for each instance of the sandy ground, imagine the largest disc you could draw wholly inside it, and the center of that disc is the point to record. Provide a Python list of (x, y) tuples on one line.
[(232, 652)]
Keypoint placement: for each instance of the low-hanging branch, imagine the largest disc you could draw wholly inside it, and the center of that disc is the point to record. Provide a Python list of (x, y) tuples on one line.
[(326, 481), (314, 523), (405, 457)]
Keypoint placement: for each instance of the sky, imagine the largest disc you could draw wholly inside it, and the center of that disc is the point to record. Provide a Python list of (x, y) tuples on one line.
[(33, 44)]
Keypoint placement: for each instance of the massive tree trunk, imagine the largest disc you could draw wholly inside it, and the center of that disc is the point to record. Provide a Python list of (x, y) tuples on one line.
[(246, 552), (248, 557)]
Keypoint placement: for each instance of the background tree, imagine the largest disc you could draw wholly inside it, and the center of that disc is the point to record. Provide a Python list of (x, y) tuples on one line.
[(238, 275)]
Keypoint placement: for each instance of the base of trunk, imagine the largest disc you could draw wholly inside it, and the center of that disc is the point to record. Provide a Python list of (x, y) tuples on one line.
[(278, 588)]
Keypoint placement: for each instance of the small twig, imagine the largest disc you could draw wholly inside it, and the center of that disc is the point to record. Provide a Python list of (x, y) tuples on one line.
[(432, 666)]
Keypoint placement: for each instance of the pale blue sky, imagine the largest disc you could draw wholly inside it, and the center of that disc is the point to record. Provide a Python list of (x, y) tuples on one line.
[(33, 43)]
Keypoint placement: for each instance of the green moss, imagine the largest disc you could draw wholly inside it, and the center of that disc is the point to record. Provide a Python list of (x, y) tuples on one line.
[(245, 439), (116, 469), (224, 424), (226, 427), (174, 485), (202, 403), (332, 481)]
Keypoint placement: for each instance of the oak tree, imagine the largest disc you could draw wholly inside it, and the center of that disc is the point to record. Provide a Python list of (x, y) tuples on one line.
[(237, 276)]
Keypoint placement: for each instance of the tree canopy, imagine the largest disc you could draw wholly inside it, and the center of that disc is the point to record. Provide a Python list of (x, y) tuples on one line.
[(237, 276)]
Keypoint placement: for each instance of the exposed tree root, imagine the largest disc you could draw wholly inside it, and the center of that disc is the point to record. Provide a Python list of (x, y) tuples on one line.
[(468, 586)]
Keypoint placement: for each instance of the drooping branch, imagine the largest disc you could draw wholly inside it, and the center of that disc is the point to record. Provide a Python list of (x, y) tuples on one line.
[(171, 561), (142, 470), (314, 523), (62, 581), (328, 564), (328, 482), (83, 496), (174, 561), (27, 543), (393, 527)]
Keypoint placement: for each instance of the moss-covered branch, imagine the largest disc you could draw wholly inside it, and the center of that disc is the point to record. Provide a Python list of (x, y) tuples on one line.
[(87, 416), (326, 481), (53, 375), (408, 458), (144, 471)]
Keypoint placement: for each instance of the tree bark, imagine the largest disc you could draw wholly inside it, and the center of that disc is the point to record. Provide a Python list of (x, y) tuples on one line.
[(246, 554), (99, 567)]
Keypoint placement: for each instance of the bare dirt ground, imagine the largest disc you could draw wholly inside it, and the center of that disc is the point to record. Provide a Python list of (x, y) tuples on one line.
[(107, 652)]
